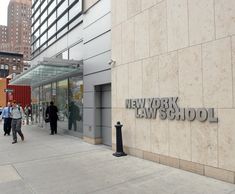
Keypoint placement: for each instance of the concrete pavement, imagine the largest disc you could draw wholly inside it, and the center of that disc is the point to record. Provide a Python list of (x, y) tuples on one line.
[(63, 164)]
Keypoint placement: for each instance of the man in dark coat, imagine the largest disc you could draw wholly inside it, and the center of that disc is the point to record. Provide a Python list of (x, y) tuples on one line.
[(51, 113)]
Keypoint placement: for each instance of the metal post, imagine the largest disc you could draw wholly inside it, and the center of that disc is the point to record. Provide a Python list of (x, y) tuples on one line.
[(119, 147)]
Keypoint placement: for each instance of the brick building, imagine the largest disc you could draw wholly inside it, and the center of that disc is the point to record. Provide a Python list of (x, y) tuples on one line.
[(10, 63), (19, 26)]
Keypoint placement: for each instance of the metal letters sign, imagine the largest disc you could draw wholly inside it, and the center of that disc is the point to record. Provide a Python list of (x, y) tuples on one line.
[(167, 108)]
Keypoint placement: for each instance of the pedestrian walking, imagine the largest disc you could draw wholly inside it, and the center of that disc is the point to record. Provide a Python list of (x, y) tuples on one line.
[(27, 111), (51, 114), (6, 116), (16, 123)]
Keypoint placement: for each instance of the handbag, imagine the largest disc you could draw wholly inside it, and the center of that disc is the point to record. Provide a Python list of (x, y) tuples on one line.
[(47, 120)]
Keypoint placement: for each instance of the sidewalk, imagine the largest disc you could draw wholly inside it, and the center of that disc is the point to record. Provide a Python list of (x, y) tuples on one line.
[(62, 164)]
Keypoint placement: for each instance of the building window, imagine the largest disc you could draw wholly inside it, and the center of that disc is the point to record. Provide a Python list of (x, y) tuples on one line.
[(52, 6), (62, 8), (52, 31), (14, 67), (62, 21), (74, 10), (52, 18)]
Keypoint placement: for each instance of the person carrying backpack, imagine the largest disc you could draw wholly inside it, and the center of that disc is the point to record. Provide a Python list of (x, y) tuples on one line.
[(17, 114)]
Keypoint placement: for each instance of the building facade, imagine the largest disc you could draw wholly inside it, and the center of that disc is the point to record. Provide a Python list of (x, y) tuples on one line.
[(71, 51), (174, 61), (3, 34), (10, 63), (19, 28), (21, 94)]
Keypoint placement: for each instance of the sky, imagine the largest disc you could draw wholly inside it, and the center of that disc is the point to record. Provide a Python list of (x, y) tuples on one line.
[(3, 11)]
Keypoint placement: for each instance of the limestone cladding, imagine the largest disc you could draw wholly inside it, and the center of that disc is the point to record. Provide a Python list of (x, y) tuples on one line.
[(184, 49)]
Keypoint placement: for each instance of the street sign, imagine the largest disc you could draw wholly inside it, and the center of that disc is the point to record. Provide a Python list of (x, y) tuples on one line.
[(8, 90)]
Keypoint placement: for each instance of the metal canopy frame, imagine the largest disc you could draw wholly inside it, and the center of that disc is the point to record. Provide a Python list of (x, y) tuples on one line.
[(48, 70)]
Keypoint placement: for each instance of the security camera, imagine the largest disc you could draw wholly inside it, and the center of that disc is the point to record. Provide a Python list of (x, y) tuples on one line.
[(111, 62)]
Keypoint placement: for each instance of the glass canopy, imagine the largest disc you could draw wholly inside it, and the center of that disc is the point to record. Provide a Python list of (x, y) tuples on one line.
[(47, 71)]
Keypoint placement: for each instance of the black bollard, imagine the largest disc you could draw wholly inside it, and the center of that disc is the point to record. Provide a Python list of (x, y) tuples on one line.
[(119, 147)]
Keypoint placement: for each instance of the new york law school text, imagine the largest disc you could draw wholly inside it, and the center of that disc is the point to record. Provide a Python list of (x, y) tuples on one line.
[(167, 108)]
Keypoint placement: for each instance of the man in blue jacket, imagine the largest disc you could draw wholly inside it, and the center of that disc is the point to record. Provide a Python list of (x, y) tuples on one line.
[(6, 115)]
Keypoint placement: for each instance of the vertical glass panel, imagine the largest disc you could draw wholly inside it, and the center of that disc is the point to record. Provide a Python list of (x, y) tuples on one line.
[(43, 47), (40, 116), (62, 103), (36, 5), (43, 39), (52, 6), (35, 36), (71, 1), (51, 41), (76, 9), (52, 31), (36, 45), (61, 33), (47, 93), (62, 8), (44, 27), (76, 104), (53, 92), (43, 5), (62, 21), (51, 18), (44, 15), (35, 105), (37, 14), (46, 97), (36, 25)]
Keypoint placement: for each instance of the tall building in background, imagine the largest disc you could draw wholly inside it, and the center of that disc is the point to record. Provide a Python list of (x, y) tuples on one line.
[(19, 27)]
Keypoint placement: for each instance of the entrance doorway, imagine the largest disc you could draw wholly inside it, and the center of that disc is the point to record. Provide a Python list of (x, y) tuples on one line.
[(103, 113)]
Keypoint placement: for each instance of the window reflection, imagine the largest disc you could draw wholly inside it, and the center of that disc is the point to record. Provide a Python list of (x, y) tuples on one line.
[(52, 31), (74, 10), (43, 27), (61, 33), (51, 18), (71, 1), (43, 5), (43, 39), (62, 21), (36, 25), (44, 15), (62, 103), (62, 8), (52, 6), (75, 104)]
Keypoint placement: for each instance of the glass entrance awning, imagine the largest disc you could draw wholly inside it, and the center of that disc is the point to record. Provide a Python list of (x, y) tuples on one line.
[(48, 70)]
